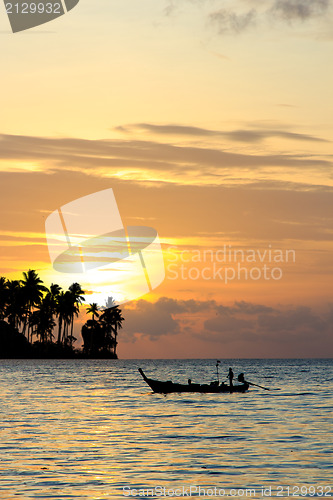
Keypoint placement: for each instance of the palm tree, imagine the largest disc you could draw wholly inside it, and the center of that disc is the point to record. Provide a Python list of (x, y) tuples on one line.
[(93, 310), (78, 298), (54, 292), (106, 321), (42, 319), (52, 298), (70, 310), (116, 325), (33, 289), (16, 307), (27, 305), (61, 312), (77, 292), (3, 296), (68, 307), (112, 320)]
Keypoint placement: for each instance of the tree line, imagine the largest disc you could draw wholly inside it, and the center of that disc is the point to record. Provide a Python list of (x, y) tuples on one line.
[(36, 320)]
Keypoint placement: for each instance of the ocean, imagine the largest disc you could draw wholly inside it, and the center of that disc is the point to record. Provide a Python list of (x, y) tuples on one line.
[(92, 430)]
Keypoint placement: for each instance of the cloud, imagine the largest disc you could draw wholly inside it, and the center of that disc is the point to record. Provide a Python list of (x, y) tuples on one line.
[(294, 327), (150, 320), (229, 325), (170, 8), (174, 306), (230, 22), (299, 10), (291, 321), (287, 215), (246, 324), (142, 160), (231, 19), (156, 319), (243, 307), (267, 211), (239, 135)]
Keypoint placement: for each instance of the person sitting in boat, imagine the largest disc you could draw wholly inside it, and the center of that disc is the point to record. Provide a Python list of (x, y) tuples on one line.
[(230, 376), (242, 380)]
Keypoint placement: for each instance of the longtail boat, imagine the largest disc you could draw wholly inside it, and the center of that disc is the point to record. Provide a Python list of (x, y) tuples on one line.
[(214, 387)]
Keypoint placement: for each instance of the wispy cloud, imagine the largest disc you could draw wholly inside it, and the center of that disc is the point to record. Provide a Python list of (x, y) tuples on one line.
[(152, 161), (231, 22), (234, 19), (239, 135), (170, 8), (299, 10)]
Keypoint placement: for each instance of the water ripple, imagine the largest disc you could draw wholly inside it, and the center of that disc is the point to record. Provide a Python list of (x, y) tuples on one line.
[(84, 429)]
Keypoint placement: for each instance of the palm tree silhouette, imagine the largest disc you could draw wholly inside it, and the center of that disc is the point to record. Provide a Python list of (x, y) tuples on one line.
[(112, 320), (68, 310), (93, 310), (28, 309), (78, 298), (3, 296), (106, 321), (16, 307), (60, 311), (52, 296), (43, 321), (117, 325), (33, 290), (54, 293)]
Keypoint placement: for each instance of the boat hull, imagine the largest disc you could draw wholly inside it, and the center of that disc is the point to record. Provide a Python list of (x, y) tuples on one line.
[(169, 387)]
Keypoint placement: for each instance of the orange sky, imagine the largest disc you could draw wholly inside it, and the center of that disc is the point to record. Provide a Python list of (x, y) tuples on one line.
[(211, 125)]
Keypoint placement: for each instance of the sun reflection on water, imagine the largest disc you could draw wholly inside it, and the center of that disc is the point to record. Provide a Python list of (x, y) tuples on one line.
[(85, 429)]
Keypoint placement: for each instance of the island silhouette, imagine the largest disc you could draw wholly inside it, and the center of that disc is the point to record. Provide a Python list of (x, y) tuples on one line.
[(38, 322)]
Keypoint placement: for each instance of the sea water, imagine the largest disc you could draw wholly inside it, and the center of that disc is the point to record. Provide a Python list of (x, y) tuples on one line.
[(92, 429)]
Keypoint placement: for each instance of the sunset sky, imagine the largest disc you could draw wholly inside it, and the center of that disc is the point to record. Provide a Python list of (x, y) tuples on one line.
[(212, 123)]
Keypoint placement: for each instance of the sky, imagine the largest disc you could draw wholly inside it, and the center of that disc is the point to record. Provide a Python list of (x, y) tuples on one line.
[(212, 123)]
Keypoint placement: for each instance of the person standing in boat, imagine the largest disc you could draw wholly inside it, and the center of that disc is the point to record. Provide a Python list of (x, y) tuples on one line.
[(230, 377)]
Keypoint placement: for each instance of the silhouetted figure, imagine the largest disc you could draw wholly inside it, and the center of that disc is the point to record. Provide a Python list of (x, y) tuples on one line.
[(230, 376), (242, 380), (189, 381)]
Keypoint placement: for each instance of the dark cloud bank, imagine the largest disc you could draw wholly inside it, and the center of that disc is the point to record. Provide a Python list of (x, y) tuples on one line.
[(293, 330)]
